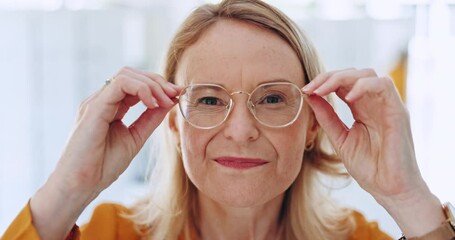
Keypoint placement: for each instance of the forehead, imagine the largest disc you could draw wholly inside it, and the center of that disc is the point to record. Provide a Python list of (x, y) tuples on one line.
[(239, 55)]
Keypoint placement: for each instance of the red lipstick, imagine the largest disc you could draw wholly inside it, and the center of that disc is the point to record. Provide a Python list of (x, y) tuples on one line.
[(240, 163)]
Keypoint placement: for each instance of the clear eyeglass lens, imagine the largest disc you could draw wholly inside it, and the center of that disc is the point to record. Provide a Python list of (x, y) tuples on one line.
[(204, 105), (274, 105)]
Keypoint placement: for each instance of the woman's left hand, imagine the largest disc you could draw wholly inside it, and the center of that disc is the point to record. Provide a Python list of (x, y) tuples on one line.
[(378, 149)]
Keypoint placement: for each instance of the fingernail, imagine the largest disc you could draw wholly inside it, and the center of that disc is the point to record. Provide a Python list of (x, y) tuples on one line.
[(175, 100), (155, 104), (305, 88), (307, 96)]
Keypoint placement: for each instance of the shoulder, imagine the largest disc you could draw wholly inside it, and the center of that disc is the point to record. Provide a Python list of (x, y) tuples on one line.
[(366, 230), (109, 221)]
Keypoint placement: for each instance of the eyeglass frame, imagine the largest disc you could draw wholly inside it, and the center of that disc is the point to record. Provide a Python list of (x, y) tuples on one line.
[(249, 103)]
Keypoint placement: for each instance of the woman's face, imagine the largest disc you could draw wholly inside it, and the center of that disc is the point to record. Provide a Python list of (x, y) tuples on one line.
[(223, 162)]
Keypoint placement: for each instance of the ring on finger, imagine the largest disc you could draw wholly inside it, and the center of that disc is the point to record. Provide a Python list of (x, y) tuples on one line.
[(108, 81)]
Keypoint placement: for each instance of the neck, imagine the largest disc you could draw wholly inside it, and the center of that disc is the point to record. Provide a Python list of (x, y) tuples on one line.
[(218, 221)]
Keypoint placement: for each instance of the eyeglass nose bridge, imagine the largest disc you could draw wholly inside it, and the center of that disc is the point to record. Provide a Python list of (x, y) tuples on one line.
[(240, 92), (249, 104)]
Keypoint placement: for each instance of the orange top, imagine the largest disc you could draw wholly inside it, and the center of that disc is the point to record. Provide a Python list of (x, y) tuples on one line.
[(107, 224)]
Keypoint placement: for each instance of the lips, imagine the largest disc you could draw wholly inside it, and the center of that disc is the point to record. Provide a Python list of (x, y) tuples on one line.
[(240, 163)]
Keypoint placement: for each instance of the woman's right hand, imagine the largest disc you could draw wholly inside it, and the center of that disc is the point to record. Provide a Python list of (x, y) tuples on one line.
[(100, 147)]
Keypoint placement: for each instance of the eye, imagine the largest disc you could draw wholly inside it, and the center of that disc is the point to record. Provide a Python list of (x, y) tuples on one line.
[(211, 101), (271, 99)]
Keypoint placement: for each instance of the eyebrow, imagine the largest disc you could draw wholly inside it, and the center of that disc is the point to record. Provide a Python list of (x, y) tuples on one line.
[(275, 80), (267, 81), (213, 87)]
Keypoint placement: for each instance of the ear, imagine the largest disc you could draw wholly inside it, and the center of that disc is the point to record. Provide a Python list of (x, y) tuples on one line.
[(312, 130), (173, 124)]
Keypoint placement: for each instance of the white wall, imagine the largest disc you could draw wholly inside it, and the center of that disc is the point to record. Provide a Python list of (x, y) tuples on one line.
[(50, 62)]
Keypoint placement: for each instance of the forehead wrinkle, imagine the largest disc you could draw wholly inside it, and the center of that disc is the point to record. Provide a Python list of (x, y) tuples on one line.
[(189, 72), (207, 55), (198, 70)]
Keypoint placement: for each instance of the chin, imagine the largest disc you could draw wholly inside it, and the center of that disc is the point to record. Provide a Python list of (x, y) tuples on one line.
[(244, 197)]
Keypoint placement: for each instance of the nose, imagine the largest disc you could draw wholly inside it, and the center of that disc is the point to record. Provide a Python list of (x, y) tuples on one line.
[(241, 126)]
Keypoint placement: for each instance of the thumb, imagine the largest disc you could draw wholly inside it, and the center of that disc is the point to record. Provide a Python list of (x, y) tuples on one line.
[(144, 126), (329, 121)]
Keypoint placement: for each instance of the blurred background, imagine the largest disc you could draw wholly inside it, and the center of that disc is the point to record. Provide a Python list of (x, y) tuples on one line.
[(55, 53)]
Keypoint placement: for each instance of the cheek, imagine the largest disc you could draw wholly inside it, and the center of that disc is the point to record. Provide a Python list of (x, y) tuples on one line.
[(192, 140), (193, 145), (290, 149), (289, 143)]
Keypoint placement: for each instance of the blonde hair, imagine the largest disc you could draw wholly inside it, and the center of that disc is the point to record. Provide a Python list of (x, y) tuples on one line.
[(169, 212)]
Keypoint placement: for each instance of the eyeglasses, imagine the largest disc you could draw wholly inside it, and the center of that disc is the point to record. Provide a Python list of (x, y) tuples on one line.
[(274, 105)]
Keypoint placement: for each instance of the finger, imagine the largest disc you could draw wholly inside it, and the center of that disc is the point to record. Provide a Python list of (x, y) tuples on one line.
[(318, 80), (122, 86), (343, 92), (84, 104), (156, 88), (149, 120), (125, 105), (329, 121), (377, 86), (168, 87), (342, 79)]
